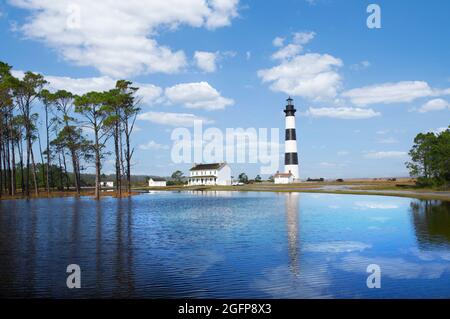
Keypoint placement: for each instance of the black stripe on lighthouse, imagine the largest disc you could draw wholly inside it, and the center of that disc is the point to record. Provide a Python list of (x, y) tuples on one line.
[(290, 159), (290, 134)]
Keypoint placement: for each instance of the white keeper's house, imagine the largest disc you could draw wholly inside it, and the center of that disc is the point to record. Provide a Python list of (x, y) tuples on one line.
[(283, 178), (210, 174)]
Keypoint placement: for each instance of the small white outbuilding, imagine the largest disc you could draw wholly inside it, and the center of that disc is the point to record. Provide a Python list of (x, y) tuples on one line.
[(107, 184), (157, 182)]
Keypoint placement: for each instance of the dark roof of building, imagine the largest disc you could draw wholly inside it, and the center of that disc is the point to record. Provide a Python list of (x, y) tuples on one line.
[(201, 167), (283, 175), (158, 179)]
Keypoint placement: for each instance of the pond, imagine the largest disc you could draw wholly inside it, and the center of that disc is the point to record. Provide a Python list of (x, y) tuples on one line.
[(226, 245)]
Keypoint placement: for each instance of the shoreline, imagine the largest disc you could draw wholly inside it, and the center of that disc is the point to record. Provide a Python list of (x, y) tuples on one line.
[(62, 194), (349, 188), (392, 189)]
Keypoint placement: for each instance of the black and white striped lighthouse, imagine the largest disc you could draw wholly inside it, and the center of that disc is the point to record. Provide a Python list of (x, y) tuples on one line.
[(290, 146)]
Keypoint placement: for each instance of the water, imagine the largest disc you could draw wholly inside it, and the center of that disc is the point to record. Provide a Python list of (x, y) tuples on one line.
[(226, 245)]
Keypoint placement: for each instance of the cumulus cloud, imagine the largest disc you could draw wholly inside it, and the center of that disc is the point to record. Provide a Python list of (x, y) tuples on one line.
[(312, 76), (385, 154), (287, 52), (294, 48), (206, 61), (118, 37), (434, 105), (172, 119), (198, 95), (345, 113), (148, 92), (303, 37), (278, 42), (387, 93)]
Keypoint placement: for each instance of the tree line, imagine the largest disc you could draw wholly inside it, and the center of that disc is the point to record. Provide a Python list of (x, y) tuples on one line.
[(65, 151), (430, 159)]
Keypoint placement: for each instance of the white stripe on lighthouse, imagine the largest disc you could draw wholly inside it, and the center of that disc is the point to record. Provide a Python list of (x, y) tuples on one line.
[(290, 146), (290, 122)]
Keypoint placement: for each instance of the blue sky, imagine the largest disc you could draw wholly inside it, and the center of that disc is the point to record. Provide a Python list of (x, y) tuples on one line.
[(362, 94)]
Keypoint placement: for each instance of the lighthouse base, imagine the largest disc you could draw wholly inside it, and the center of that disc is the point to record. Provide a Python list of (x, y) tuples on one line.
[(293, 169)]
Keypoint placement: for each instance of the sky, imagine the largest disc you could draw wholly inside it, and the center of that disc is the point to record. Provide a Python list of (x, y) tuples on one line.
[(362, 94)]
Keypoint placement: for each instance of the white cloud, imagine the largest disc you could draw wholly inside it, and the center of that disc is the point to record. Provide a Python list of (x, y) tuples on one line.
[(287, 52), (434, 105), (172, 119), (206, 61), (153, 146), (345, 113), (248, 55), (327, 164), (360, 66), (118, 37), (385, 154), (149, 93), (278, 42), (293, 49), (311, 76), (303, 37), (440, 130), (79, 86), (400, 92), (343, 153), (198, 95), (387, 140), (383, 132)]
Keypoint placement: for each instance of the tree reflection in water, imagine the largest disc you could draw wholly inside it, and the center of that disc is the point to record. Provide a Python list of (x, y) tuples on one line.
[(431, 220)]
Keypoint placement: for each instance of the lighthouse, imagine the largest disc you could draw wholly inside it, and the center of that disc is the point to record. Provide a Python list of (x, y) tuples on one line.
[(290, 146)]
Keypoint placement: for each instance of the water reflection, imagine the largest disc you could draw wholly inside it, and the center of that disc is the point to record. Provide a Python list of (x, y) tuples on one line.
[(431, 221), (210, 193), (292, 217), (225, 245)]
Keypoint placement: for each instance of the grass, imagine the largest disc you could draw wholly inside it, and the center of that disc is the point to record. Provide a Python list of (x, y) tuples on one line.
[(354, 187)]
